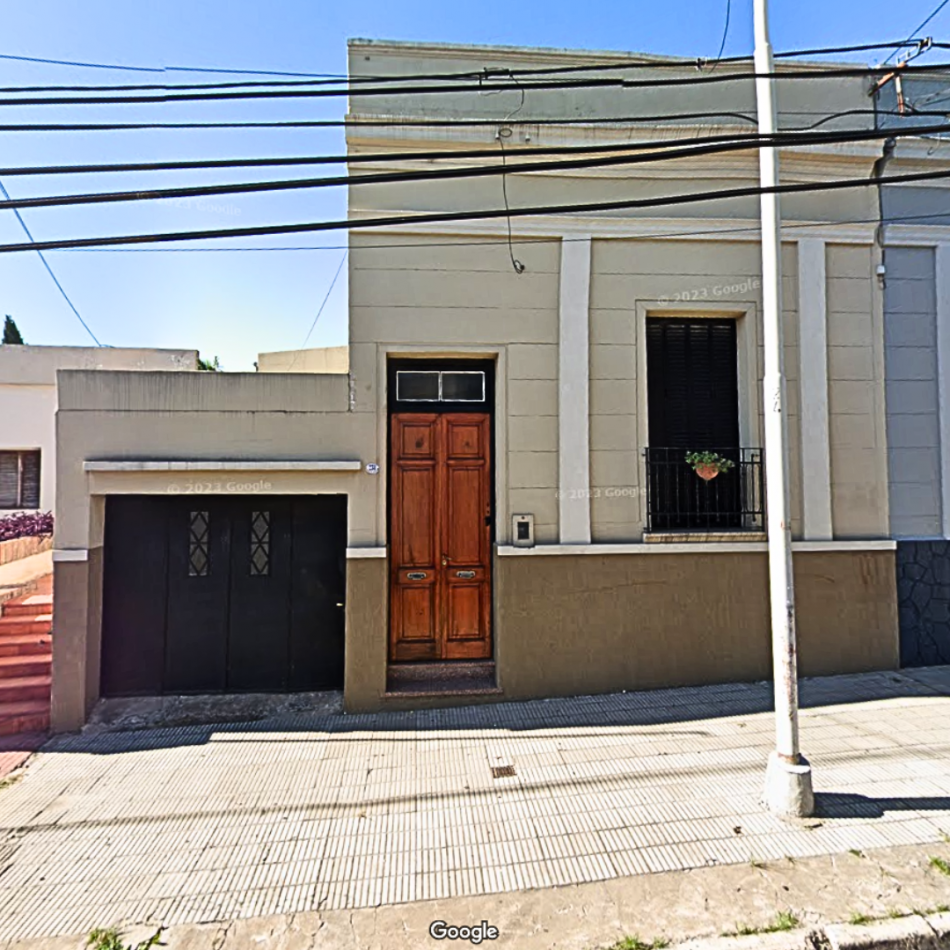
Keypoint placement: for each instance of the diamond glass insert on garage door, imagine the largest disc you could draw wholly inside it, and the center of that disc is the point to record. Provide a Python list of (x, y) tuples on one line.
[(232, 596)]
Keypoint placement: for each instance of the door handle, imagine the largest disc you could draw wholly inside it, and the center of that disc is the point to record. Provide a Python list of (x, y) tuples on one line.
[(445, 561), (416, 575), (468, 575)]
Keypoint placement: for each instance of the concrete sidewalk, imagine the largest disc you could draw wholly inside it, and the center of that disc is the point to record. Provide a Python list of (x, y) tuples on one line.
[(343, 813), (821, 894)]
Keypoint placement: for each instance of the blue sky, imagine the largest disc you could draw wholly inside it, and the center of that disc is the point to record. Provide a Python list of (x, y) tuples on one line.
[(237, 304)]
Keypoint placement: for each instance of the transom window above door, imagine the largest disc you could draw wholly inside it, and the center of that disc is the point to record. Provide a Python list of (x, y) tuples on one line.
[(440, 386)]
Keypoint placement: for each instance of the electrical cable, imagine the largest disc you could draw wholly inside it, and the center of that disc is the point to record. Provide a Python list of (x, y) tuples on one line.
[(688, 150), (49, 270), (481, 242), (339, 78), (452, 88), (321, 308), (725, 34), (907, 42), (409, 155), (399, 122), (477, 215)]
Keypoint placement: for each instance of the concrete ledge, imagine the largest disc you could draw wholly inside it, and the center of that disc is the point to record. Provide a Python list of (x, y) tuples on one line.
[(365, 552), (694, 547), (904, 933), (222, 465)]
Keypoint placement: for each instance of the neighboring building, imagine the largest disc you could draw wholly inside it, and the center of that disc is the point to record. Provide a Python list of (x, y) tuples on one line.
[(915, 235), (324, 359), (28, 410), (494, 501)]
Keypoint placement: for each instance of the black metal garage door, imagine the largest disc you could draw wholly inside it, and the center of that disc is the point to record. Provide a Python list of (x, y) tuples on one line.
[(210, 593)]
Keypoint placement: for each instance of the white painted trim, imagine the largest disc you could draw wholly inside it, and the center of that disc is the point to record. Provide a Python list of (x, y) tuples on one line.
[(942, 267), (64, 555), (879, 544), (574, 392), (813, 387), (357, 553), (700, 548), (221, 465)]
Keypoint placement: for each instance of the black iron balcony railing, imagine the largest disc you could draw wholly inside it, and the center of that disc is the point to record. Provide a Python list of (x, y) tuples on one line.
[(680, 500)]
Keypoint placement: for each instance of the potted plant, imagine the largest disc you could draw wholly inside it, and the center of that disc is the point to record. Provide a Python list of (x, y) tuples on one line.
[(707, 465)]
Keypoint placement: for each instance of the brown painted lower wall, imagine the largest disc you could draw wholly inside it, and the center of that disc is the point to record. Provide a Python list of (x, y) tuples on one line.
[(367, 633), (570, 625)]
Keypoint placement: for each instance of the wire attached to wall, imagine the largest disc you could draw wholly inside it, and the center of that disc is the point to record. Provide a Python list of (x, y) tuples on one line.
[(504, 132)]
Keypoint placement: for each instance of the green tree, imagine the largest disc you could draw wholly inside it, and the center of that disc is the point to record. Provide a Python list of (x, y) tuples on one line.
[(209, 366), (10, 332)]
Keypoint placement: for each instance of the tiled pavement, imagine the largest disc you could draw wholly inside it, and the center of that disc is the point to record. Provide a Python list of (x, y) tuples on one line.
[(304, 812)]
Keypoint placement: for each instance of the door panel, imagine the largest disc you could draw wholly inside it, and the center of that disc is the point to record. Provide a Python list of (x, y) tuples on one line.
[(258, 643), (196, 637), (440, 532), (133, 597), (318, 593)]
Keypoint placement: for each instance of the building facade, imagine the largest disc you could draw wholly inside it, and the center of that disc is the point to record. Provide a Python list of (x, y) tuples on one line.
[(915, 241), (28, 410), (494, 502)]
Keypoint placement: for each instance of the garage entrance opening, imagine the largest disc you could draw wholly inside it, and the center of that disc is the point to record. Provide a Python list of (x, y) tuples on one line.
[(214, 594)]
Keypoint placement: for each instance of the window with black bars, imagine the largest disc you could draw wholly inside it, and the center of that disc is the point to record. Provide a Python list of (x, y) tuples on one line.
[(20, 479), (260, 544), (199, 547)]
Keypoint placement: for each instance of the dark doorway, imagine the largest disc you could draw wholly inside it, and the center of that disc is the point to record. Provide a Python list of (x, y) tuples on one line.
[(212, 593), (693, 400)]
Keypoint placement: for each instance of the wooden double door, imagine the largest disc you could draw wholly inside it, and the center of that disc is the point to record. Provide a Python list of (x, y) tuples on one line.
[(440, 529)]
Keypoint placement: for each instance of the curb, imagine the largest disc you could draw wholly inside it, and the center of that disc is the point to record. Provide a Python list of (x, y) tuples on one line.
[(904, 933)]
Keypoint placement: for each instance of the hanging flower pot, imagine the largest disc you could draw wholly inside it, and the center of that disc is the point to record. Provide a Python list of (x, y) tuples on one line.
[(707, 465)]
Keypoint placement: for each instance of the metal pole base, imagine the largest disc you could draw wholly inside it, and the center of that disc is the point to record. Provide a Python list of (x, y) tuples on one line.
[(788, 790)]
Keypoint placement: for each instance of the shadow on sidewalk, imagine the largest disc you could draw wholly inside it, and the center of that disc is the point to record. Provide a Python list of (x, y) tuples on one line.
[(689, 706), (843, 805)]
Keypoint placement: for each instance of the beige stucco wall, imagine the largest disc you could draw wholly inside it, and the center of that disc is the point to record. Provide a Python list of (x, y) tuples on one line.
[(321, 359), (28, 393)]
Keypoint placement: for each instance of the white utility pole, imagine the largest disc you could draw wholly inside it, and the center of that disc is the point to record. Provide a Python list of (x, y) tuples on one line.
[(788, 788)]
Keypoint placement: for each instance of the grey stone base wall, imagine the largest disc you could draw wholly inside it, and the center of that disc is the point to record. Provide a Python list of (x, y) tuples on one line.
[(923, 602)]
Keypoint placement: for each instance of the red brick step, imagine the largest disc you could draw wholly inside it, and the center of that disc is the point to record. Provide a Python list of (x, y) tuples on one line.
[(26, 644), (29, 606), (31, 716), (37, 664), (21, 689), (15, 625)]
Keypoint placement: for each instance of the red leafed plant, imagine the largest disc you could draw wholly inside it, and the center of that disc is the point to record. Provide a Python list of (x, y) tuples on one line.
[(25, 525)]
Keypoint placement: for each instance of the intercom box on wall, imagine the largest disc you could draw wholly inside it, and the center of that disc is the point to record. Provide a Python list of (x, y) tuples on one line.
[(522, 531)]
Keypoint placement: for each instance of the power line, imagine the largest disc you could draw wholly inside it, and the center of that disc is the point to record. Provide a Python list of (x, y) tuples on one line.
[(418, 155), (399, 122), (907, 42), (725, 34), (322, 305), (478, 215), (49, 270), (622, 82), (523, 239), (332, 77), (679, 150)]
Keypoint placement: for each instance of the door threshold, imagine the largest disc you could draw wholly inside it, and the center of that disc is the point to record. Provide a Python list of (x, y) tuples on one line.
[(448, 678)]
